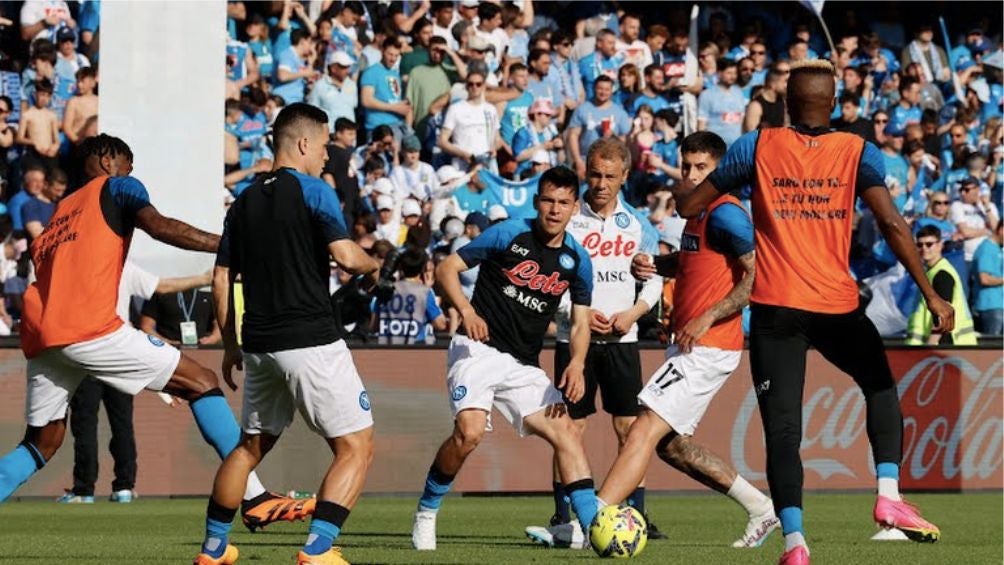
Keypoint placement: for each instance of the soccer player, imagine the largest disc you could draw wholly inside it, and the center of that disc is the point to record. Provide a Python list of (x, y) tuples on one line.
[(71, 329), (714, 274), (611, 233), (526, 267), (279, 237), (805, 180)]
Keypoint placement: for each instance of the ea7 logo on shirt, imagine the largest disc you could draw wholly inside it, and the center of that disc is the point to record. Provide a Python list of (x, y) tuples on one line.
[(519, 250), (528, 274), (690, 242)]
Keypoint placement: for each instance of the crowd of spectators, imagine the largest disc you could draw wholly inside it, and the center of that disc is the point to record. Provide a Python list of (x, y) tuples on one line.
[(443, 113)]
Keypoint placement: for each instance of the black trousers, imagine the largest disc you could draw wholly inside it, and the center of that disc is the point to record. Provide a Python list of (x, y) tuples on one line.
[(84, 427), (779, 340)]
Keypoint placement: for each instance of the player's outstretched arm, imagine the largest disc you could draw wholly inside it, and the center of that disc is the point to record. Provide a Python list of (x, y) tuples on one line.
[(734, 302), (353, 258), (175, 232), (181, 284), (448, 281), (897, 234)]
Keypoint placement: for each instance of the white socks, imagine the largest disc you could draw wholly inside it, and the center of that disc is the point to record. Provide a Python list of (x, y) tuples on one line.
[(889, 488), (793, 540), (749, 497), (254, 488)]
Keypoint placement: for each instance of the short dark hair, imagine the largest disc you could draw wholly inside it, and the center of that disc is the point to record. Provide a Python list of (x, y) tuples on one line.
[(929, 231), (849, 97), (913, 145), (487, 11), (560, 177), (293, 119), (373, 164), (391, 41), (906, 82), (516, 67), (560, 36), (669, 116), (57, 175), (536, 54), (342, 124), (437, 40), (354, 6), (103, 144), (606, 32), (43, 85), (725, 63), (6, 100), (298, 35), (603, 78), (704, 142), (412, 261), (649, 70), (381, 132), (86, 72)]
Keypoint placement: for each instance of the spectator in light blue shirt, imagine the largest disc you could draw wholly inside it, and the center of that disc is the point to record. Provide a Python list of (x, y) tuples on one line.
[(336, 93), (720, 108), (293, 68), (514, 116), (907, 111), (655, 79), (987, 272), (596, 118), (382, 95), (604, 61)]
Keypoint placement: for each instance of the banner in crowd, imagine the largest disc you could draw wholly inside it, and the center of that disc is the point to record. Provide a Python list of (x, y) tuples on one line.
[(952, 406)]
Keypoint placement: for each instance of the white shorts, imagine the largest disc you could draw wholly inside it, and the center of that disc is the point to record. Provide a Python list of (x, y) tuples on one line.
[(321, 382), (480, 376), (682, 388), (127, 359)]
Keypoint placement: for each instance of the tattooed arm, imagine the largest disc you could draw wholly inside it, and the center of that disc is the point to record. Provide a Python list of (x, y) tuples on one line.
[(734, 302)]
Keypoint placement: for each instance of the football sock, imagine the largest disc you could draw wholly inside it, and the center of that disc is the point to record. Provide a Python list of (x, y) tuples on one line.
[(17, 466), (218, 522), (583, 496), (216, 421), (791, 525), (437, 484), (254, 487), (888, 480), (325, 527), (749, 497), (561, 507), (636, 500)]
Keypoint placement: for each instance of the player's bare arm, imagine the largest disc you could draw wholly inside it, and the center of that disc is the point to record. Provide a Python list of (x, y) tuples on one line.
[(175, 232), (896, 231), (223, 281), (448, 281), (693, 459), (354, 259), (734, 302), (573, 380)]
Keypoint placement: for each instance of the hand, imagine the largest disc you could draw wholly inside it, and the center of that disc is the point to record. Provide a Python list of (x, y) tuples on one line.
[(475, 327), (621, 322), (598, 323), (654, 161), (52, 20), (573, 382), (402, 108), (642, 267), (944, 315), (232, 358), (695, 329), (8, 321)]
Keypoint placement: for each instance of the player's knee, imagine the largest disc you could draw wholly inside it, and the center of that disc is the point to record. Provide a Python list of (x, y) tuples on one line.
[(467, 436), (357, 446), (671, 448)]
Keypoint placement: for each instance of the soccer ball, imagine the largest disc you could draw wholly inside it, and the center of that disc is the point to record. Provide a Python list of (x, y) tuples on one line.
[(619, 532)]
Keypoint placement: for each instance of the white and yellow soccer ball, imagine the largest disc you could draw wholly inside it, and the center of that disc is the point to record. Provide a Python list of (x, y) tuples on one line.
[(619, 532)]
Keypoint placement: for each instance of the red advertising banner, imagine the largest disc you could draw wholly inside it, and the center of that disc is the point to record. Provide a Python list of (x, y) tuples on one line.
[(952, 405)]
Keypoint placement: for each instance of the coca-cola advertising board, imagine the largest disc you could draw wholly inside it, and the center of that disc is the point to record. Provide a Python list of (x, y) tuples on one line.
[(952, 407)]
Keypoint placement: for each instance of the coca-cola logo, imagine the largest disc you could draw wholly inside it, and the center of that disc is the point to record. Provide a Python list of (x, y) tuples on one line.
[(527, 274), (617, 247), (952, 427)]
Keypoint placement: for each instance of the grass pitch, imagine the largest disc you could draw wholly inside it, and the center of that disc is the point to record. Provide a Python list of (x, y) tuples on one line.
[(490, 530)]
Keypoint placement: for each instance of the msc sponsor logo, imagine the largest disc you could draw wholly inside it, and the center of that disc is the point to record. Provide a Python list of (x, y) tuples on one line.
[(526, 300), (617, 247), (458, 393), (612, 276), (566, 261), (527, 274), (364, 400)]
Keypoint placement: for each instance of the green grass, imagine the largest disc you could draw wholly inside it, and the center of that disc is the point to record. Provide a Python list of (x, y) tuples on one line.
[(490, 530)]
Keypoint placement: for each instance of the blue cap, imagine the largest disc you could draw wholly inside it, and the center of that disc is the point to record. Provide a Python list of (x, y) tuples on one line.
[(477, 219), (893, 129)]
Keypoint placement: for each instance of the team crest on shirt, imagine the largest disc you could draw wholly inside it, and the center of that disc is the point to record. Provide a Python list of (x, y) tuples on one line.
[(364, 401), (155, 340), (622, 220), (458, 393), (566, 261)]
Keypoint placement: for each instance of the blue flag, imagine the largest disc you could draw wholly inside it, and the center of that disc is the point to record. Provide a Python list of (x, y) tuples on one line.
[(515, 196)]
